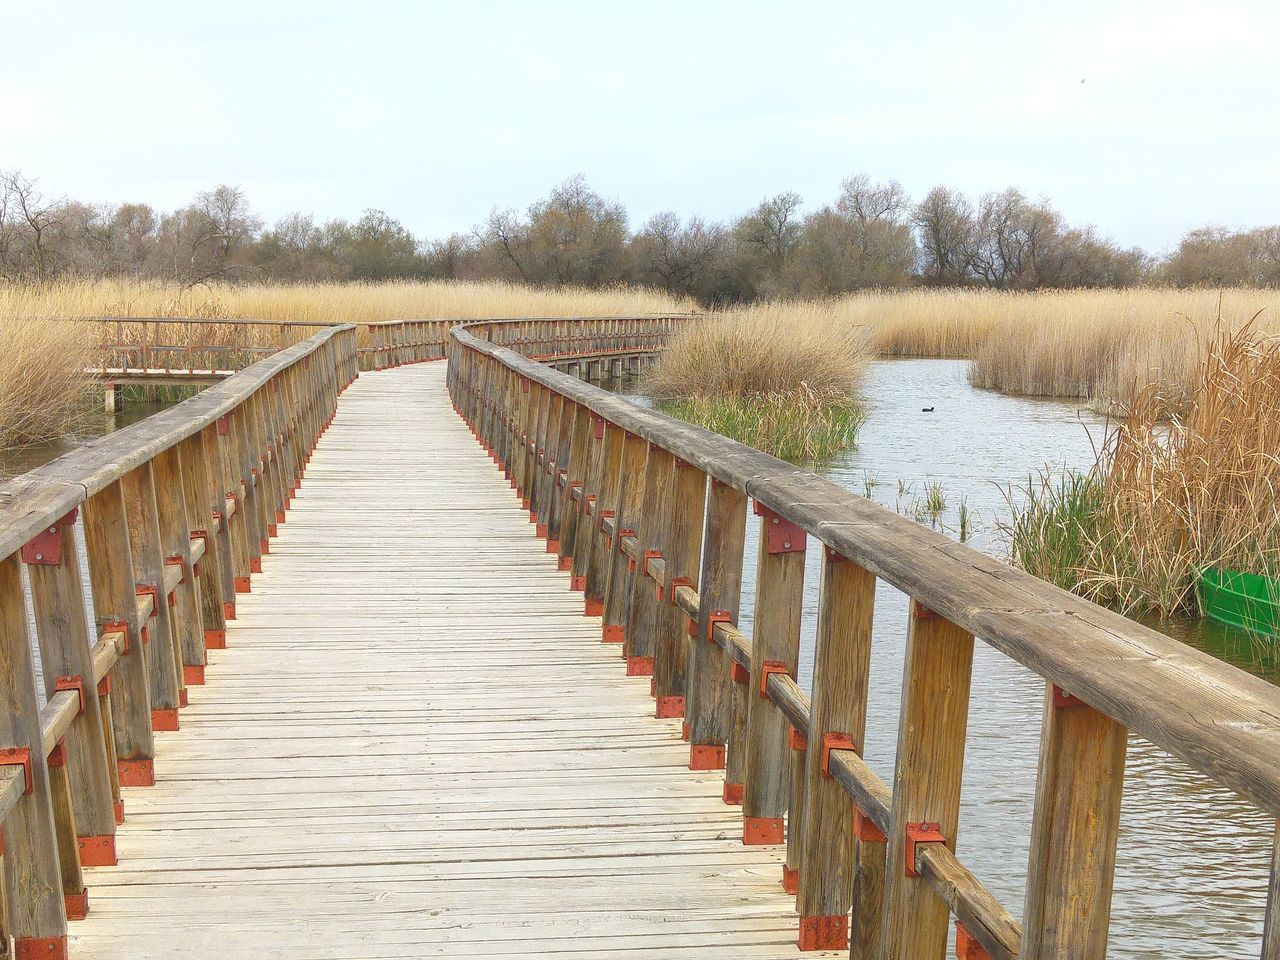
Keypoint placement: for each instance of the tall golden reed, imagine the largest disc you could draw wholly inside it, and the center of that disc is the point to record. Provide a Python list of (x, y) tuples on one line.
[(1171, 497), (43, 387)]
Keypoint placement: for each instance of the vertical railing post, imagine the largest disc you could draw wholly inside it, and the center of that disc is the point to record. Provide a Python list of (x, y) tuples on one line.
[(683, 551), (1271, 924), (584, 531), (926, 783), (562, 441), (147, 550), (1073, 831), (575, 479), (652, 526), (775, 648), (608, 489), (111, 580), (36, 910), (708, 698), (837, 717), (617, 586), (62, 632)]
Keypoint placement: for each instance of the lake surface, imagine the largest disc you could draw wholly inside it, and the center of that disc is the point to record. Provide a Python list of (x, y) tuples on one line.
[(1193, 859)]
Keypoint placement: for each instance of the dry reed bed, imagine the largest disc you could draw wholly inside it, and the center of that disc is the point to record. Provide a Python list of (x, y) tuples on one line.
[(43, 386), (1169, 498), (43, 390), (1102, 346), (781, 377)]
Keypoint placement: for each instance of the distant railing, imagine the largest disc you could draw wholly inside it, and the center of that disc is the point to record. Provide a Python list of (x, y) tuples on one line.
[(648, 515), (147, 349)]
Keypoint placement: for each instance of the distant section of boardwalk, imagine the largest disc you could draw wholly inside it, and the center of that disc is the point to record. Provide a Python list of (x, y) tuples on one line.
[(415, 745)]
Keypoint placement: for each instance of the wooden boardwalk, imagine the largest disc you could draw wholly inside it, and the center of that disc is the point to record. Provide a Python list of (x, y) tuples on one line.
[(415, 745)]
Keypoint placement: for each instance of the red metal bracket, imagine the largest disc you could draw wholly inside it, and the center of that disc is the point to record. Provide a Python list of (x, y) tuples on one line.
[(738, 673), (1065, 701), (70, 682), (714, 617), (834, 556), (45, 548), (922, 832), (645, 557), (606, 515), (180, 563), (967, 945), (104, 686), (58, 755), (113, 626), (598, 427), (833, 741), (224, 426), (149, 590), (771, 667), (202, 535), (524, 384), (19, 756), (587, 503), (865, 829), (678, 582), (781, 535), (920, 612), (797, 740)]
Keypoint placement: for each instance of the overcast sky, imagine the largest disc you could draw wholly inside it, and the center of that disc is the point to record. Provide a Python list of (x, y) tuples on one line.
[(1145, 119)]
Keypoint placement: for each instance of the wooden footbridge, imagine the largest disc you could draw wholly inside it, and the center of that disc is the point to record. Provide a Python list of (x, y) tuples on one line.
[(318, 673)]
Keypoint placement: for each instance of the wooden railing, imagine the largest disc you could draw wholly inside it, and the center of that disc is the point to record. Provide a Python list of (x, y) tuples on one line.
[(177, 513), (648, 515), (146, 349)]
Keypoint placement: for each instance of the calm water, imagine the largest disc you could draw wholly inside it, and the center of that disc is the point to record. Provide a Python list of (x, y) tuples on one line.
[(1193, 859)]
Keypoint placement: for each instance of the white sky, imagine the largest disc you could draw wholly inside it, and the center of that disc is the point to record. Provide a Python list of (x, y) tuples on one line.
[(437, 112)]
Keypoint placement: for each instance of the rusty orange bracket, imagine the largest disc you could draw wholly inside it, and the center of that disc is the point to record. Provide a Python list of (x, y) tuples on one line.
[(917, 833), (714, 617), (71, 682), (967, 945), (781, 535), (833, 741), (113, 626), (738, 673), (180, 563), (797, 740), (678, 582), (1065, 701), (45, 548), (767, 668), (151, 590), (19, 756), (865, 829)]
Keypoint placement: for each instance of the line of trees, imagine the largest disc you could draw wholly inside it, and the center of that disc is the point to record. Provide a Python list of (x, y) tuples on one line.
[(873, 235)]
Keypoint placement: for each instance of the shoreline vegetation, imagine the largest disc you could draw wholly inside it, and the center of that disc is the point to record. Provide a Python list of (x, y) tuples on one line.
[(780, 377), (1167, 498)]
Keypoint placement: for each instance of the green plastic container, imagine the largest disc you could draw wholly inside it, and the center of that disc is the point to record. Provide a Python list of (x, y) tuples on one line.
[(1244, 600)]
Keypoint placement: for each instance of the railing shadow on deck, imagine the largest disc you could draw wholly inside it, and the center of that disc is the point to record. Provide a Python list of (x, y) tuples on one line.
[(648, 515)]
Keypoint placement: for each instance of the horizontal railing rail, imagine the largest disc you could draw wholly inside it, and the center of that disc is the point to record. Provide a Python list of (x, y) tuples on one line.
[(140, 349), (175, 513), (648, 514)]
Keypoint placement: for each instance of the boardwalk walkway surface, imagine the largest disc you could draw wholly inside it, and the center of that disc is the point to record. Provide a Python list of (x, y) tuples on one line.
[(416, 745)]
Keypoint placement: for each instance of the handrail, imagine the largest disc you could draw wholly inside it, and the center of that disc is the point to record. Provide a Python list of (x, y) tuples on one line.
[(645, 482), (178, 511)]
